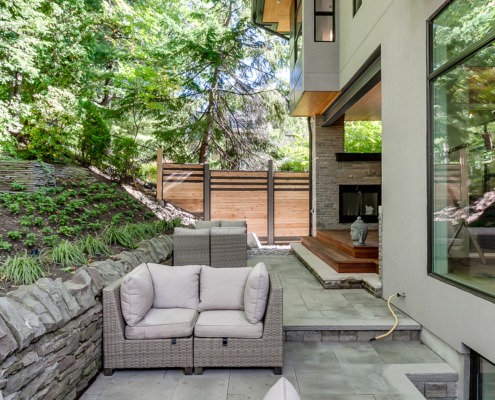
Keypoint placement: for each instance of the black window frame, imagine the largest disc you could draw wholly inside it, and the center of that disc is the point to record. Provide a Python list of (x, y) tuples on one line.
[(432, 74), (476, 378), (321, 14)]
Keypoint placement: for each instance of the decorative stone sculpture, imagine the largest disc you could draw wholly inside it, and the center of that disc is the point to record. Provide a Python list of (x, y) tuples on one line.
[(359, 232)]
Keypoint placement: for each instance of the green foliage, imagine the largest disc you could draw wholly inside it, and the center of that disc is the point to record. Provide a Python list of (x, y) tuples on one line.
[(295, 154), (122, 153), (30, 239), (14, 235), (93, 245), (67, 254), (22, 269), (363, 137), (4, 245), (18, 187), (50, 240), (95, 137)]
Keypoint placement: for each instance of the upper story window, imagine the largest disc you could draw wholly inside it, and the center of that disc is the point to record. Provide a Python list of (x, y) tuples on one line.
[(324, 20), (355, 6), (462, 144), (297, 29)]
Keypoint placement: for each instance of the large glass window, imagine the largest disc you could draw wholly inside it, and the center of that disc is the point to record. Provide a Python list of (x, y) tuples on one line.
[(482, 378), (324, 21), (462, 111)]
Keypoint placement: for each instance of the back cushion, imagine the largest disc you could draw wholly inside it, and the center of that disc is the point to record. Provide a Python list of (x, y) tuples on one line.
[(233, 224), (175, 287), (191, 232), (136, 294), (256, 293), (222, 288), (207, 224)]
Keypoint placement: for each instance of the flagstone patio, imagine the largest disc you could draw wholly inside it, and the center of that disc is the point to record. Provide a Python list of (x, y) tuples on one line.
[(328, 353)]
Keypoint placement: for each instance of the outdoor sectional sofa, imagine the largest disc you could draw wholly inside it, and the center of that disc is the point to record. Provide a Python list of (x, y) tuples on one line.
[(220, 244), (193, 317)]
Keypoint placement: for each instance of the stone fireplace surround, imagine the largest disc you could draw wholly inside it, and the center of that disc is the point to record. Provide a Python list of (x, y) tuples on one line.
[(328, 174)]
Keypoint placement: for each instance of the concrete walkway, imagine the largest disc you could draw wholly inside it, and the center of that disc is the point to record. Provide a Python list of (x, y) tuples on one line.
[(320, 363)]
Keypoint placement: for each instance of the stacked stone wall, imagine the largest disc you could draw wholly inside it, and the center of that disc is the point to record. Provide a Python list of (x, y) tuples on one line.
[(51, 332), (330, 173)]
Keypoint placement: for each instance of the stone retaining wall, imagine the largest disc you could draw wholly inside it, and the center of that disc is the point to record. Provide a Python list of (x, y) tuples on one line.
[(31, 174), (51, 332)]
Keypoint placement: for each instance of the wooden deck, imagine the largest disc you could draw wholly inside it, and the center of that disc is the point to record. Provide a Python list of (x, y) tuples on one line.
[(337, 250)]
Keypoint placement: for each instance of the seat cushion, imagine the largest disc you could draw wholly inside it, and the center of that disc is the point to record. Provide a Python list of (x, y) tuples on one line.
[(175, 287), (222, 288), (160, 323), (136, 294), (227, 231), (233, 224), (282, 390), (256, 293), (207, 224), (226, 323)]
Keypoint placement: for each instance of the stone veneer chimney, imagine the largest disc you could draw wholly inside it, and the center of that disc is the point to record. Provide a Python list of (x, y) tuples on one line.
[(328, 174)]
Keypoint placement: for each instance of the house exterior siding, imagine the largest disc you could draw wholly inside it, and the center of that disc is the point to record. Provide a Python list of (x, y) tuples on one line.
[(453, 319)]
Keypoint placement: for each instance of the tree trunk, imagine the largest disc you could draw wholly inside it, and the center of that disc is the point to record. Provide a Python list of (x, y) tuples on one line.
[(204, 150)]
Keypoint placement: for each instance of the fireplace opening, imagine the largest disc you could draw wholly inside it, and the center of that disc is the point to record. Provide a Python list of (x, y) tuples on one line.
[(359, 200)]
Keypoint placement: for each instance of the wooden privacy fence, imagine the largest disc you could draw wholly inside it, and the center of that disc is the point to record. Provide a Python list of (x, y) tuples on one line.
[(274, 204)]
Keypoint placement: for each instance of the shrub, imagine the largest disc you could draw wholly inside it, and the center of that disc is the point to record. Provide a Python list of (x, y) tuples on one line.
[(95, 138), (14, 235), (50, 240), (22, 269), (30, 240), (67, 254)]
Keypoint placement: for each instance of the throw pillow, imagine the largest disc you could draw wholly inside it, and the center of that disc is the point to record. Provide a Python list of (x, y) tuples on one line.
[(136, 294), (282, 390), (175, 287), (222, 288), (256, 293)]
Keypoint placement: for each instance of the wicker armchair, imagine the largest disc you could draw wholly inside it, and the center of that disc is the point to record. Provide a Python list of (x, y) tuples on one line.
[(191, 246), (231, 352), (228, 247), (118, 352)]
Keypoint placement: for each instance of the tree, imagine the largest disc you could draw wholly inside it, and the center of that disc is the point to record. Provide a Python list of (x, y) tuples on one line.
[(225, 65), (363, 137), (95, 137)]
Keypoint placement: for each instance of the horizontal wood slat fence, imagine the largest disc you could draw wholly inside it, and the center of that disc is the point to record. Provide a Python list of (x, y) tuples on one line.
[(274, 204)]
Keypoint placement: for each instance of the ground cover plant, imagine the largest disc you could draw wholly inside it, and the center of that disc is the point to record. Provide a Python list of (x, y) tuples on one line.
[(54, 231)]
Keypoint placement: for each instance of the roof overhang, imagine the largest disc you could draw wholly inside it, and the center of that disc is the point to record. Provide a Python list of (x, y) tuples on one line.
[(273, 15)]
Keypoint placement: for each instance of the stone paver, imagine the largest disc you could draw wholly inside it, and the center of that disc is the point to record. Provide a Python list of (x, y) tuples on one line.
[(322, 362)]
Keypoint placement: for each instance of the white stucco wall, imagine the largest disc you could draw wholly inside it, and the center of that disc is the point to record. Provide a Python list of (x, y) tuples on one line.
[(399, 27)]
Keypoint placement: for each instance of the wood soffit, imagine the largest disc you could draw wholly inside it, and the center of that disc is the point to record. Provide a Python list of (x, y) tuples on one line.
[(368, 107), (313, 103), (278, 11)]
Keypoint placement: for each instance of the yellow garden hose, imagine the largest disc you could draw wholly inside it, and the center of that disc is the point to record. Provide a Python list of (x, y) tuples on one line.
[(395, 317)]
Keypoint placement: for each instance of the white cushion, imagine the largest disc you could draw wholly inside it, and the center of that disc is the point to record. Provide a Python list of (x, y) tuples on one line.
[(175, 287), (191, 232), (161, 323), (282, 390), (222, 288), (136, 294), (207, 224), (233, 224), (226, 323), (256, 293)]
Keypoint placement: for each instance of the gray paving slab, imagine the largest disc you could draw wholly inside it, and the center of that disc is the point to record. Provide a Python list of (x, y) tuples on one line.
[(318, 370)]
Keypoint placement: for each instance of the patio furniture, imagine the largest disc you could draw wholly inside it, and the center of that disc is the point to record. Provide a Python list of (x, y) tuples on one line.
[(149, 350), (228, 247), (159, 316), (229, 351), (191, 246), (220, 244)]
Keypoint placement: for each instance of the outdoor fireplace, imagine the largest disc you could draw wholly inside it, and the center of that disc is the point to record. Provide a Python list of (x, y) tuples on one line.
[(359, 200)]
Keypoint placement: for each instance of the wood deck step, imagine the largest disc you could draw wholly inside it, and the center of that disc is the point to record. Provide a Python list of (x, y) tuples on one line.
[(341, 240), (339, 260)]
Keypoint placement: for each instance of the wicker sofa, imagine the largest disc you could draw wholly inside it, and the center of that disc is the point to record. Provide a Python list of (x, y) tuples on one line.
[(213, 337), (220, 244)]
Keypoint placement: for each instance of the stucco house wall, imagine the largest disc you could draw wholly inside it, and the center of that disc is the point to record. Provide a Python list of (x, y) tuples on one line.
[(399, 27)]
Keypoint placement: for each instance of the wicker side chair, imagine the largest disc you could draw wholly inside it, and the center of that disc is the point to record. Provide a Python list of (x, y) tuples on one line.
[(266, 351), (191, 246), (120, 353), (228, 247)]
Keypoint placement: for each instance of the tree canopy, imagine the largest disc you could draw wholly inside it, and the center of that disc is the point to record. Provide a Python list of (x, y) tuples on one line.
[(82, 77)]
